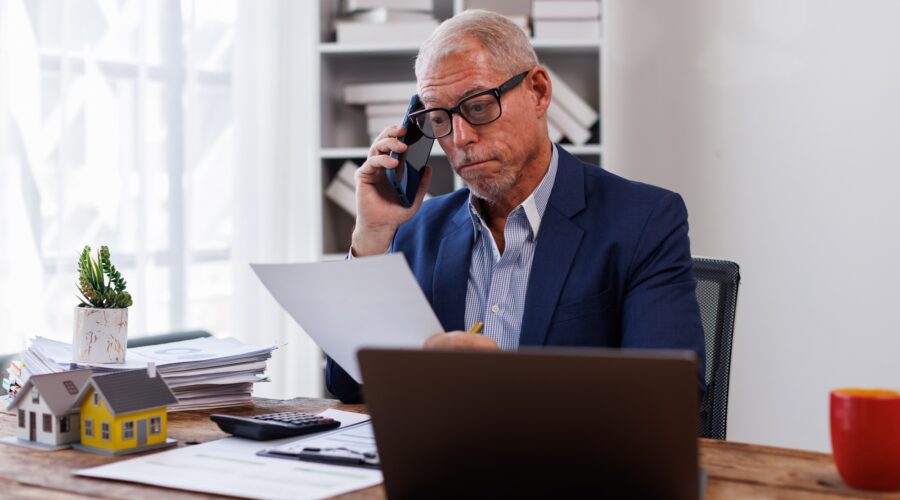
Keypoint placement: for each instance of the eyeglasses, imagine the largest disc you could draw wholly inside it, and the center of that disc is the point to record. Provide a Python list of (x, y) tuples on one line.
[(478, 109)]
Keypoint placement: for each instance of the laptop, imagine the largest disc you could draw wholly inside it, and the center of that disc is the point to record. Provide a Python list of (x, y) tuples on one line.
[(598, 422)]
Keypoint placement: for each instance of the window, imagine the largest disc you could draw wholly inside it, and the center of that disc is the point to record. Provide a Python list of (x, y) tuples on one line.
[(155, 425), (64, 424), (134, 99), (104, 431), (22, 418), (128, 430), (96, 399), (35, 397), (70, 387), (48, 422), (88, 427)]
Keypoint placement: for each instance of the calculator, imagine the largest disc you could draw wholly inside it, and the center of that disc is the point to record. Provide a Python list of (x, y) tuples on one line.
[(273, 425)]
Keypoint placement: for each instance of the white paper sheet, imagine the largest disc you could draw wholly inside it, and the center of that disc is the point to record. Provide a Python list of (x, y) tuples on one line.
[(230, 467), (350, 304)]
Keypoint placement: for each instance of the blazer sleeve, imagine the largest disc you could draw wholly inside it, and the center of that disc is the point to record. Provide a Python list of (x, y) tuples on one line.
[(660, 308), (341, 384)]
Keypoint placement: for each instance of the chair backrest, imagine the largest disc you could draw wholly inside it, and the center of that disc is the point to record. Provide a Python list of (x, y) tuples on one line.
[(165, 338), (717, 291)]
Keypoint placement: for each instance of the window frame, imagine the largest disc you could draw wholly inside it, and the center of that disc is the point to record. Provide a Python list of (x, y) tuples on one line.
[(155, 425), (65, 424), (89, 427), (46, 422), (21, 418), (128, 430), (105, 431)]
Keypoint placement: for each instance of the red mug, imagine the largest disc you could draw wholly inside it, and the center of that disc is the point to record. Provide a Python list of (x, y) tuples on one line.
[(865, 437)]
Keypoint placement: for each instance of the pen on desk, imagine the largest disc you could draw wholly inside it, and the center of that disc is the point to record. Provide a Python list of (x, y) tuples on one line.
[(476, 327)]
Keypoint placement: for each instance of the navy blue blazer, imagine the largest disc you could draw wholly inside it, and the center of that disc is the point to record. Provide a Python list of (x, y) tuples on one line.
[(612, 267)]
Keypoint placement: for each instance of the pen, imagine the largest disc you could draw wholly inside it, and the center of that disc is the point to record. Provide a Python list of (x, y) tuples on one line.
[(476, 327)]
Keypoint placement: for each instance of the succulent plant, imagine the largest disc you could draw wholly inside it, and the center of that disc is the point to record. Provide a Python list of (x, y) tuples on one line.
[(99, 282)]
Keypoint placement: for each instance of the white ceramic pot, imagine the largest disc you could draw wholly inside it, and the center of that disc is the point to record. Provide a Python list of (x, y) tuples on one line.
[(101, 335)]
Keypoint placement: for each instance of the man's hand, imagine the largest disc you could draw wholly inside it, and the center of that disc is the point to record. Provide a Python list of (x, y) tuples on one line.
[(378, 212), (460, 340)]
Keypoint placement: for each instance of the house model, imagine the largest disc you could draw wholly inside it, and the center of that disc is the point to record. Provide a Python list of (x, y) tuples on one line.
[(124, 412), (47, 418)]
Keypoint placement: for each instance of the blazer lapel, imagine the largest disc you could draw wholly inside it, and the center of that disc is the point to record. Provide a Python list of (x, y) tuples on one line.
[(557, 244), (451, 272)]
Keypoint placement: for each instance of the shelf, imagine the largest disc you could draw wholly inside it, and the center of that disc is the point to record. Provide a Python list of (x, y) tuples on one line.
[(401, 48), (363, 152)]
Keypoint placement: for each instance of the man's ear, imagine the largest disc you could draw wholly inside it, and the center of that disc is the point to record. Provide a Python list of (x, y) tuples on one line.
[(541, 88)]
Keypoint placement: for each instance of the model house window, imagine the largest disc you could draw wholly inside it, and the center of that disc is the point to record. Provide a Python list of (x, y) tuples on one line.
[(88, 427), (48, 422), (35, 397), (64, 424), (128, 430), (155, 425), (104, 431), (70, 387), (96, 399), (22, 418)]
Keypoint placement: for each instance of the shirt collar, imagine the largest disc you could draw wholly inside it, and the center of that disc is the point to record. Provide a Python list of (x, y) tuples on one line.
[(533, 206)]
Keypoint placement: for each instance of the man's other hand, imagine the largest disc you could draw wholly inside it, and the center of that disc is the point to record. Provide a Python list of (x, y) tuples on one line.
[(460, 340)]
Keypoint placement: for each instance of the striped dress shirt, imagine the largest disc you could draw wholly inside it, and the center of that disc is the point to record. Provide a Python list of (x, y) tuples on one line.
[(497, 283)]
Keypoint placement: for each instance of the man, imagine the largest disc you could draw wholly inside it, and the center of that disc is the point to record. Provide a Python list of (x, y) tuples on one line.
[(543, 249)]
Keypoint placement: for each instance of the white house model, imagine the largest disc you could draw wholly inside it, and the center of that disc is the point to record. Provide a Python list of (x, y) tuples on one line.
[(46, 416)]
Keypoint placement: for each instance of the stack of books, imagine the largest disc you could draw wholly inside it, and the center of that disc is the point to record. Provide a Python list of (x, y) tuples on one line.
[(203, 373), (342, 189), (569, 116), (385, 103), (390, 21), (567, 19)]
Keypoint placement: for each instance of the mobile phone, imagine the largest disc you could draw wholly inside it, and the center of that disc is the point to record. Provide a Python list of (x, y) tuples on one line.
[(406, 177)]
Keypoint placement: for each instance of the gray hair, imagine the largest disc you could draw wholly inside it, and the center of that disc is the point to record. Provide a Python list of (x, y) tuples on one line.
[(505, 42)]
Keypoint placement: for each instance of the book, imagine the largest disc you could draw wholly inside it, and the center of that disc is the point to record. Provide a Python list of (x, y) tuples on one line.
[(568, 29), (568, 99), (343, 195), (347, 173), (380, 92), (375, 124), (383, 15), (565, 9), (413, 32), (394, 109), (354, 5), (570, 128)]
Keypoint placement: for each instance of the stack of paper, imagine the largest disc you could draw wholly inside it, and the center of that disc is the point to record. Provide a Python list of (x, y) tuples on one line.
[(342, 189), (374, 21), (385, 103), (567, 19), (203, 373)]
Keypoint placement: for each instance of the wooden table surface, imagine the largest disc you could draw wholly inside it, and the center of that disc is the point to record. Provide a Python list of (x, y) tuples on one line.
[(735, 470)]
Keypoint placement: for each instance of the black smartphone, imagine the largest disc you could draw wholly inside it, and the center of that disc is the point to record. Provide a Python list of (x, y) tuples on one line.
[(406, 177)]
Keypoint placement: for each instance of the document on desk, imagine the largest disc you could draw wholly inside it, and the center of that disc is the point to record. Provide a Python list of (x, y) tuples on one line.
[(350, 304), (230, 466)]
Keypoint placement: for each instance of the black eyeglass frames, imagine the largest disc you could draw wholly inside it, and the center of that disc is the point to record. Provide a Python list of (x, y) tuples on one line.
[(477, 109)]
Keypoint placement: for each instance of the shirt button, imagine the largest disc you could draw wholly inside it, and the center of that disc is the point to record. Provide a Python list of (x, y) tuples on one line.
[(495, 308)]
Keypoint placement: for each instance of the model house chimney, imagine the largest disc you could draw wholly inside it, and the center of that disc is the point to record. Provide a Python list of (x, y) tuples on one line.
[(151, 369)]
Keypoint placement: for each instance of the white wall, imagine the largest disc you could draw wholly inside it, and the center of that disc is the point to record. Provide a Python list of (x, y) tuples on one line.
[(779, 122)]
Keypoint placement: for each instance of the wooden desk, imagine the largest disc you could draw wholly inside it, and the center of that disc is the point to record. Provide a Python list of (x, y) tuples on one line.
[(735, 470)]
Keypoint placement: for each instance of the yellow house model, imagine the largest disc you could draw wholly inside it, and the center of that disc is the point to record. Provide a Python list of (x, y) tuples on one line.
[(124, 412)]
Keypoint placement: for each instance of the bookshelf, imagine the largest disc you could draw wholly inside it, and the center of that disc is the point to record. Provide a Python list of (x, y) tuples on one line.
[(342, 132)]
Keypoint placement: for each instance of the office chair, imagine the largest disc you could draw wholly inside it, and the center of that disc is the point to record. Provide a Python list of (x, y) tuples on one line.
[(717, 291)]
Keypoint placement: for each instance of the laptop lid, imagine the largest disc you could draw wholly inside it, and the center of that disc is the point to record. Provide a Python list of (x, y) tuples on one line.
[(541, 423)]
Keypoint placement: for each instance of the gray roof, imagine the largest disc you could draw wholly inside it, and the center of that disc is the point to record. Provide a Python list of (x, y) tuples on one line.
[(55, 390), (131, 390)]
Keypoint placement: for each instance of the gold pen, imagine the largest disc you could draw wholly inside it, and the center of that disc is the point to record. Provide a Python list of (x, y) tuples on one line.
[(476, 327)]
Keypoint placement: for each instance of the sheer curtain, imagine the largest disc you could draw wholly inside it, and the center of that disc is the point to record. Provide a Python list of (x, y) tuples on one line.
[(179, 134)]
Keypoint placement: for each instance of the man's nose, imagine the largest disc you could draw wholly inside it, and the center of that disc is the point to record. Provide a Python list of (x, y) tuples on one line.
[(463, 132)]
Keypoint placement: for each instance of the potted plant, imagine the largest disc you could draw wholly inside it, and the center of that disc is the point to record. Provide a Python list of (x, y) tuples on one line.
[(101, 319)]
